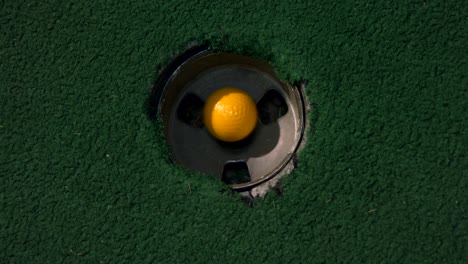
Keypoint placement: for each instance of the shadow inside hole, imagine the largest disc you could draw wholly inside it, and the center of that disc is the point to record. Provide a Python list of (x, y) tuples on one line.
[(190, 110), (239, 144), (236, 172), (271, 107), (260, 142)]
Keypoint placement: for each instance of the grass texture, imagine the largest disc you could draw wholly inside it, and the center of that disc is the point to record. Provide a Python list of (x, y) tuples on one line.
[(84, 173)]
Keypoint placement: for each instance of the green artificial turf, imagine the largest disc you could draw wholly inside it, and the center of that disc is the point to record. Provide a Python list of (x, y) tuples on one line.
[(84, 173)]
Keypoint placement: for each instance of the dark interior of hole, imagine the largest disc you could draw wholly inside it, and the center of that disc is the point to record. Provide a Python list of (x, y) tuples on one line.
[(236, 173), (271, 107), (190, 110)]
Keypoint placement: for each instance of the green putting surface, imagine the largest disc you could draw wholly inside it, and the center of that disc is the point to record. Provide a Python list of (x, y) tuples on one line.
[(85, 174)]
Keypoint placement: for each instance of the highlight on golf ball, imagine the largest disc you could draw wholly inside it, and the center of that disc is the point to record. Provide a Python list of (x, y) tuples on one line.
[(230, 114)]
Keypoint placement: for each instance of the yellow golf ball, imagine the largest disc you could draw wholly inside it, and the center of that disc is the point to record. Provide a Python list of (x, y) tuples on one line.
[(230, 114)]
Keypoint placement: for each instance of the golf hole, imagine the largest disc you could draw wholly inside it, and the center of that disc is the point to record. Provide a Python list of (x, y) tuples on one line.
[(181, 92)]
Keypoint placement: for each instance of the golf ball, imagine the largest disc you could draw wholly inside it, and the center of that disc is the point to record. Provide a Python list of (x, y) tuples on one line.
[(230, 114)]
